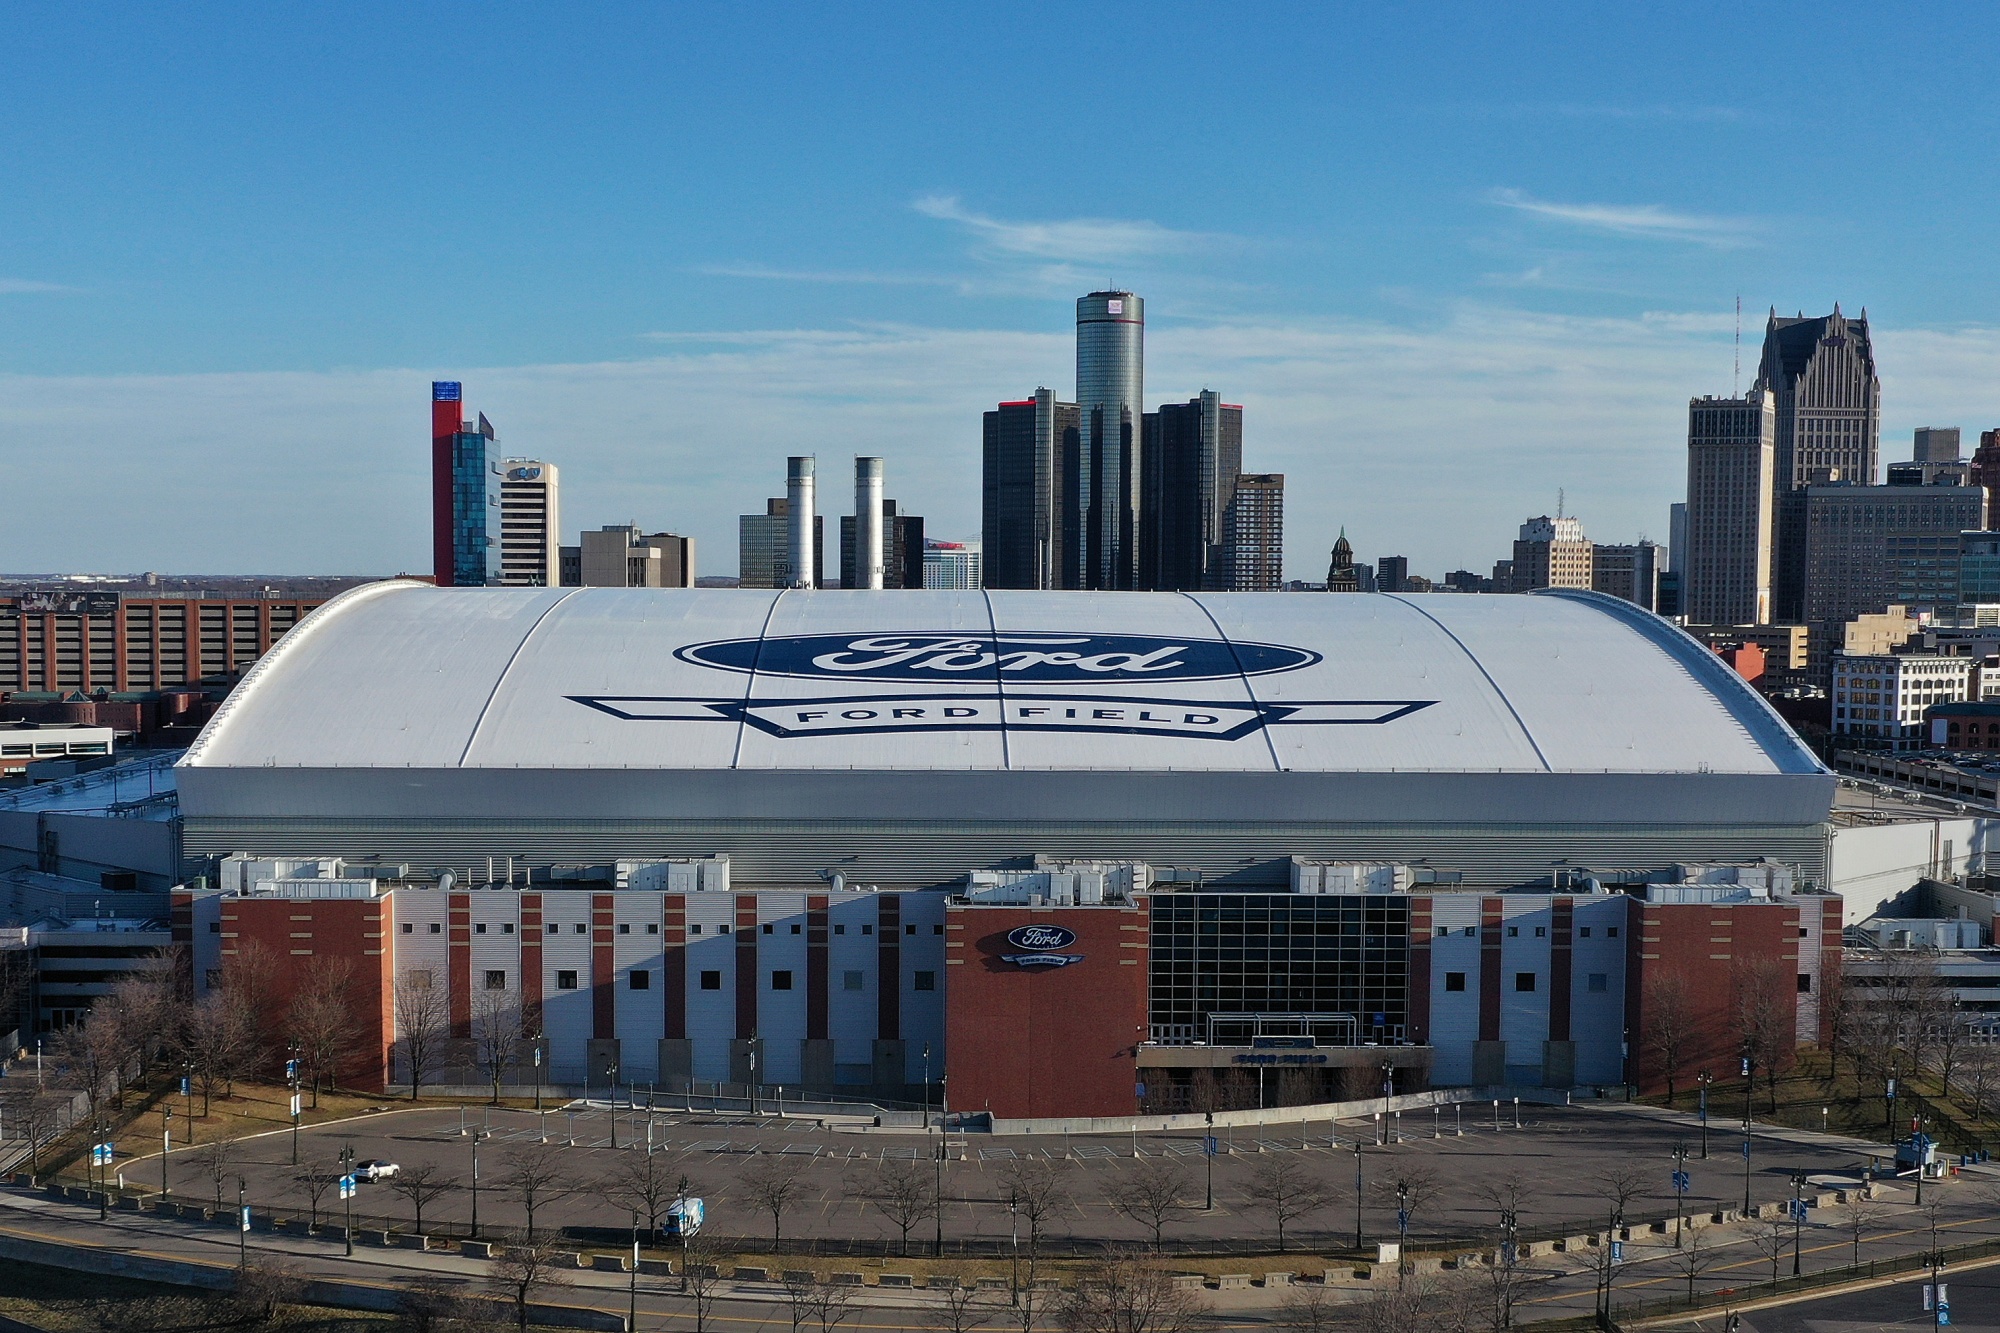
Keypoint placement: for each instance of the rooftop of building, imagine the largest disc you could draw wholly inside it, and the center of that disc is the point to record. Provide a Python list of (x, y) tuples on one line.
[(142, 785), (403, 675)]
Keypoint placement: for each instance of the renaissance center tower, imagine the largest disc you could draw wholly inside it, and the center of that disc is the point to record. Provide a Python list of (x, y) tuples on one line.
[(1110, 395)]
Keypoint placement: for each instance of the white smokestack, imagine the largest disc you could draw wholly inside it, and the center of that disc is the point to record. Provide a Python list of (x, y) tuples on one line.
[(802, 549), (868, 523)]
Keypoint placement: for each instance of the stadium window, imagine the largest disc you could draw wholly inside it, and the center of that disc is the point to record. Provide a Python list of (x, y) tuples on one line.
[(624, 927), (937, 930), (852, 981), (507, 928), (1513, 931), (215, 928), (711, 981), (868, 930), (1468, 931), (722, 930), (580, 928), (1454, 981), (1803, 932), (1541, 932), (641, 979), (436, 929), (409, 928), (1611, 932), (840, 930), (496, 980), (213, 977), (1443, 931), (924, 981), (1524, 982), (694, 929), (419, 980), (781, 981), (1599, 983), (652, 927), (768, 928), (909, 930), (1583, 932), (795, 929), (479, 929), (1805, 983), (565, 981), (554, 928)]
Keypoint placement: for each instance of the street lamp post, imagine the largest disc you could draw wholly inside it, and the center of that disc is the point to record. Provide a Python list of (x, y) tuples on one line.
[(347, 1170), (1402, 1227), (1014, 1234), (166, 1143), (632, 1283), (1746, 1175), (1749, 1087), (1798, 1216), (538, 1079), (242, 1229), (611, 1098), (1704, 1078), (1357, 1192), (1208, 1151), (1680, 1191), (475, 1184)]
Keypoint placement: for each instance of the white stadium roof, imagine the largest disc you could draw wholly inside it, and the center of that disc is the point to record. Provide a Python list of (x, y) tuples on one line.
[(400, 675)]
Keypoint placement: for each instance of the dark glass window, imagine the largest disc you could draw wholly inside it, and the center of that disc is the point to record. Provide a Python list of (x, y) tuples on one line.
[(565, 981), (711, 981), (781, 981), (924, 981), (641, 979), (1524, 981), (1454, 981)]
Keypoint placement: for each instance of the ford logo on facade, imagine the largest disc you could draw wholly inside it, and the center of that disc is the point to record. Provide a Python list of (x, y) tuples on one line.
[(1072, 659), (1041, 937)]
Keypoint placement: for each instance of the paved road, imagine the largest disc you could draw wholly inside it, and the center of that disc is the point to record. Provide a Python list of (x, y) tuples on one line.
[(1557, 1157), (1974, 1296)]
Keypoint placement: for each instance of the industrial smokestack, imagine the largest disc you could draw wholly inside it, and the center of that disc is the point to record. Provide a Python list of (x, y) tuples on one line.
[(799, 493), (868, 523)]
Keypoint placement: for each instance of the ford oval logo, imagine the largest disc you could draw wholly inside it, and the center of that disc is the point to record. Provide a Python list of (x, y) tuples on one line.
[(1040, 938), (1073, 659)]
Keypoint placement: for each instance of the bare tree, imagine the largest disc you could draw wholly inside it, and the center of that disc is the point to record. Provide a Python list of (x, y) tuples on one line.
[(89, 1056), (1771, 1237), (1285, 1187), (538, 1176), (1668, 1023), (25, 1111), (217, 1040), (423, 1185), (831, 1305), (1124, 1295), (962, 1306), (1411, 1192), (322, 1023), (17, 970), (1425, 1305), (149, 1004), (1036, 1191), (1839, 1013), (1505, 1197), (1861, 1216), (700, 1278), (1951, 1032), (435, 1305), (524, 1267), (314, 1179), (423, 1024), (643, 1183), (1693, 1260), (904, 1192), (263, 1292), (496, 1036), (1766, 990), (249, 987), (217, 1161), (1153, 1194), (1981, 1065), (773, 1185), (1310, 1308), (1617, 1187)]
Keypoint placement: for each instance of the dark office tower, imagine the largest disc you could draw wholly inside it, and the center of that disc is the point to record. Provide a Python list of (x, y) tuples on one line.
[(1936, 444), (1821, 373), (1191, 459), (1255, 555), (902, 549), (1985, 471), (1029, 464), (1392, 572), (465, 493), (1110, 398)]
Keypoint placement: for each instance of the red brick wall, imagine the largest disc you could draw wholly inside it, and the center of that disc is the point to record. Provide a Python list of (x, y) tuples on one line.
[(1707, 946), (292, 932), (1044, 1041)]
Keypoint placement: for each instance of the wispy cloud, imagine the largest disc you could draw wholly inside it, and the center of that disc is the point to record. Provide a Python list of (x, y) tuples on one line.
[(1076, 240), (1644, 221), (863, 277), (14, 286)]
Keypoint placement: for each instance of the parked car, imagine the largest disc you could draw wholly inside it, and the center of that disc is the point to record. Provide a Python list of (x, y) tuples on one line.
[(373, 1170)]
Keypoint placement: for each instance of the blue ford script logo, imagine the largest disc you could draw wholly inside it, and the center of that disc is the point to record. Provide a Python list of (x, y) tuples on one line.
[(1041, 945), (1072, 659)]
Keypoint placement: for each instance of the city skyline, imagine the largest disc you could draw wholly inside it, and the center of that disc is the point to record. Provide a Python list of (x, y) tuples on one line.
[(1436, 318)]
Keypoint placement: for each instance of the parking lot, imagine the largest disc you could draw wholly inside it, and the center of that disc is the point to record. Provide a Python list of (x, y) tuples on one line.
[(1554, 1162)]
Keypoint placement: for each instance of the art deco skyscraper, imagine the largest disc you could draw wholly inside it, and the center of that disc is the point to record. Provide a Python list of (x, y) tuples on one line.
[(1827, 427), (1029, 479), (1192, 456), (1725, 565), (1110, 397)]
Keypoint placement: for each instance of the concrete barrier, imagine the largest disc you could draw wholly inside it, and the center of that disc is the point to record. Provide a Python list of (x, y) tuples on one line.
[(1233, 1282), (615, 1263), (127, 1203), (746, 1273), (193, 1212), (657, 1267), (407, 1242), (943, 1282), (298, 1226), (993, 1284), (476, 1249), (376, 1238), (333, 1231), (847, 1279), (895, 1280), (1188, 1281), (1279, 1279), (709, 1271), (796, 1275)]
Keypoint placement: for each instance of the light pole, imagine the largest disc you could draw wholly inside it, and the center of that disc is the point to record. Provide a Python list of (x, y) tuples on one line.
[(1402, 1227), (754, 1107), (1704, 1078), (243, 1229), (1014, 1233), (632, 1287), (538, 1080), (1749, 1088), (1208, 1151), (292, 1073), (1509, 1226), (103, 1161), (1746, 1175), (1680, 1191), (611, 1078), (1798, 1216), (347, 1170), (1357, 1192), (166, 1143), (475, 1184)]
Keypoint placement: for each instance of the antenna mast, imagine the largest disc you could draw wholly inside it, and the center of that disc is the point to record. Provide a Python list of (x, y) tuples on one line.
[(1736, 374), (1561, 498)]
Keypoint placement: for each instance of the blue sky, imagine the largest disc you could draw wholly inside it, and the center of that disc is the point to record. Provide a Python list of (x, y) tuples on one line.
[(1451, 258)]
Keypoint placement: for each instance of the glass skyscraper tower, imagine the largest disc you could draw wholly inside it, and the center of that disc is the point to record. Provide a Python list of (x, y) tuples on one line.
[(465, 493), (1110, 394)]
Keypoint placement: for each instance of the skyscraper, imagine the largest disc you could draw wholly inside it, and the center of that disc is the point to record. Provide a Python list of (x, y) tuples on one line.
[(951, 565), (1392, 572), (1936, 444), (1110, 398), (1725, 556), (1630, 572), (621, 556), (530, 524), (764, 546), (1191, 458), (1871, 547), (465, 493), (1827, 427), (1255, 557), (1028, 493), (902, 549)]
